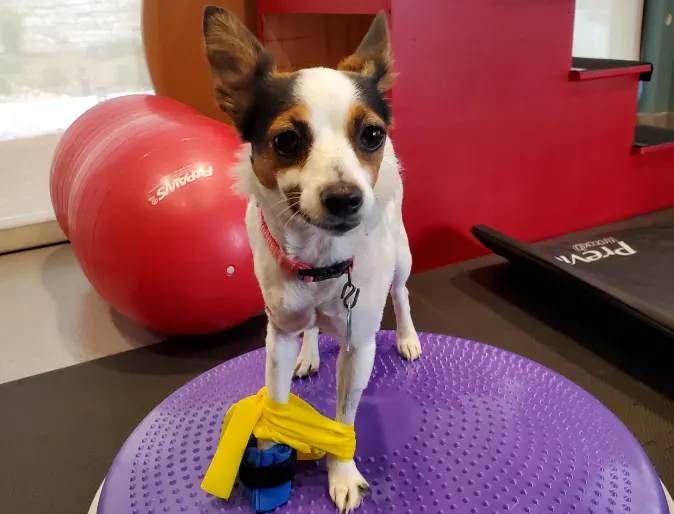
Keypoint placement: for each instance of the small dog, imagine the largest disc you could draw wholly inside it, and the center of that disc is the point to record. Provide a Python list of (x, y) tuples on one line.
[(324, 212)]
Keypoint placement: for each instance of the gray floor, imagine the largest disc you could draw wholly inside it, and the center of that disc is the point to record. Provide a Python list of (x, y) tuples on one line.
[(51, 318)]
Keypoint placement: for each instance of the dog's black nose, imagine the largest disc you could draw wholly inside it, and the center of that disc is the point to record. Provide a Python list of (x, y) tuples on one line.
[(342, 200)]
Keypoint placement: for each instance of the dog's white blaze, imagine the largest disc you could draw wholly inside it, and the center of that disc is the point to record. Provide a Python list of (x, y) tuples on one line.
[(329, 96)]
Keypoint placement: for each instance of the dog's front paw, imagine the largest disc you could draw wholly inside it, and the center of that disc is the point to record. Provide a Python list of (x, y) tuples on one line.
[(409, 346), (308, 363), (347, 485), (263, 444)]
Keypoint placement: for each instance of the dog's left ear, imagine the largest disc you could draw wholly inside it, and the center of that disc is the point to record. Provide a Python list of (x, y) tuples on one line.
[(373, 56), (237, 60)]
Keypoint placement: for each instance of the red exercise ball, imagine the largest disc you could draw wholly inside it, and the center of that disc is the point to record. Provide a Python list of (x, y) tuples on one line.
[(142, 185)]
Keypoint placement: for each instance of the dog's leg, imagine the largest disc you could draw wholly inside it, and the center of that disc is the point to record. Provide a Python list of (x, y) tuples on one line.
[(282, 352), (408, 340), (309, 359), (354, 367)]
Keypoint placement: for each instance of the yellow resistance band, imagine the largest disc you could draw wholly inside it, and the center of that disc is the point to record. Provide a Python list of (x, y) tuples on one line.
[(296, 424)]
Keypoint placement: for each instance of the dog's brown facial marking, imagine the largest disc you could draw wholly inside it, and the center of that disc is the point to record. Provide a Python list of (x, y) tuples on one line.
[(366, 132), (296, 118), (284, 146)]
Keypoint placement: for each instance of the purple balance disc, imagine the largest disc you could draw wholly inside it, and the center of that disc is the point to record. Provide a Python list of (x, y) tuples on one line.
[(468, 428)]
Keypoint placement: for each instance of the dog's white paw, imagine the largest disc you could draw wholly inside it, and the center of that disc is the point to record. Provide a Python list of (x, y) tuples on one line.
[(409, 346), (263, 444), (307, 364), (347, 485)]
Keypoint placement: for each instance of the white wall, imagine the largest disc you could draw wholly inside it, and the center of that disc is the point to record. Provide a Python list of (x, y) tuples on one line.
[(609, 29)]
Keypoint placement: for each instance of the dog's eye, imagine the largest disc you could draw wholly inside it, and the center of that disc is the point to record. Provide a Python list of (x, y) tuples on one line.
[(371, 137), (287, 143)]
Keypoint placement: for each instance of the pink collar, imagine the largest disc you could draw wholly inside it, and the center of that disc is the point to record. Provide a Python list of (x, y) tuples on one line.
[(302, 269)]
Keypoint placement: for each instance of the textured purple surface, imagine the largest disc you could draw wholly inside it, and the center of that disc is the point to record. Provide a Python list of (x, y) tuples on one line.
[(469, 429)]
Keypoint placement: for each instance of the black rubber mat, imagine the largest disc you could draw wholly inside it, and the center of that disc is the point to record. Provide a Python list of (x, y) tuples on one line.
[(626, 264), (61, 430)]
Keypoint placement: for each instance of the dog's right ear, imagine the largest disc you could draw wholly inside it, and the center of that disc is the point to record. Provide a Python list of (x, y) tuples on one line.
[(237, 61), (373, 55)]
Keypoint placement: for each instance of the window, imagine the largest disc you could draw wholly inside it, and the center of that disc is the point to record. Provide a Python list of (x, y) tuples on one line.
[(58, 58), (608, 29)]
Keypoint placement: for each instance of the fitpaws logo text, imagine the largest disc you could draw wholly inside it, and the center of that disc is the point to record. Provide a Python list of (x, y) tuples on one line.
[(175, 181), (592, 251)]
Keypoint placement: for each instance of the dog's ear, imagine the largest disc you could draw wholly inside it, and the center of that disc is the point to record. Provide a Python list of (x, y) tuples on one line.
[(237, 61), (373, 56)]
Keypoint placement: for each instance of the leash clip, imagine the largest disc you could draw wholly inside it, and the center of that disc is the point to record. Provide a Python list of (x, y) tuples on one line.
[(349, 297), (350, 293)]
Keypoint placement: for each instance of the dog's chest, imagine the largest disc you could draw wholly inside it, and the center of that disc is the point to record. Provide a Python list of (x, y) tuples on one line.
[(296, 306)]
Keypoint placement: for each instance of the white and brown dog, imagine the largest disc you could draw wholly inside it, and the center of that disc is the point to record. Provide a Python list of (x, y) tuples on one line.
[(325, 207)]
